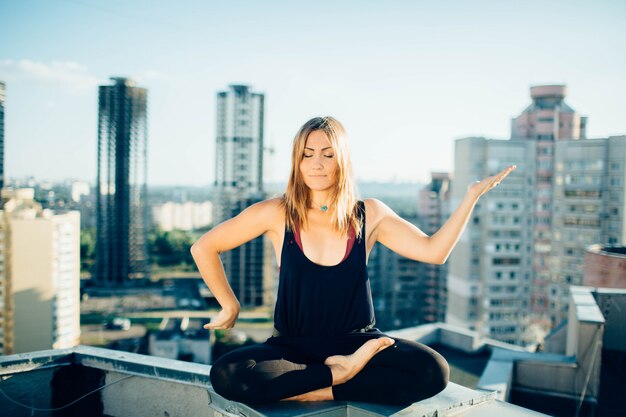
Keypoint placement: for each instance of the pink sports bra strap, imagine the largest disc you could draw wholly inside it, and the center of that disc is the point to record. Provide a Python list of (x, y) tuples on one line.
[(351, 238)]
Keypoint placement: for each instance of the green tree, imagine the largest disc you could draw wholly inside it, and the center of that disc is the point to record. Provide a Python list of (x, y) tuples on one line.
[(171, 248), (87, 248)]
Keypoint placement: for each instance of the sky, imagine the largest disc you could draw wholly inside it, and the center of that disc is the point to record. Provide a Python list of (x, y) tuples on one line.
[(406, 78)]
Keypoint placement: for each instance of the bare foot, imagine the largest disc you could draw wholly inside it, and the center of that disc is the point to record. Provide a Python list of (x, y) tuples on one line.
[(344, 368), (324, 394)]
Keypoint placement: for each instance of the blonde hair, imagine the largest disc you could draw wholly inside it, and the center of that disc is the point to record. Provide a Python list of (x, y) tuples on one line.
[(297, 197)]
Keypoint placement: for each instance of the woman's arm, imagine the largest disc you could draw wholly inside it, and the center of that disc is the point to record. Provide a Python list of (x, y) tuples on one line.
[(249, 224), (409, 241)]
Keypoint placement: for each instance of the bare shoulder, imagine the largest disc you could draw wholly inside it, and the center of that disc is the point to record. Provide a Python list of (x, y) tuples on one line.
[(375, 208), (269, 207), (270, 212), (375, 211)]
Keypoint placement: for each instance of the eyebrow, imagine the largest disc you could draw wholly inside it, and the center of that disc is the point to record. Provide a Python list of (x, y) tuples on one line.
[(323, 149)]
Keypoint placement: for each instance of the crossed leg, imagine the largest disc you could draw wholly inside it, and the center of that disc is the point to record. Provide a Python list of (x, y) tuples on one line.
[(345, 367), (401, 374)]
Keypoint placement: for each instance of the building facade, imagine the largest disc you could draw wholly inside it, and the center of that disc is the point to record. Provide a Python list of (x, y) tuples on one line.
[(182, 216), (238, 148), (589, 205), (2, 99), (490, 270), (121, 184), (524, 246), (546, 121), (41, 275), (434, 210), (402, 290), (239, 184)]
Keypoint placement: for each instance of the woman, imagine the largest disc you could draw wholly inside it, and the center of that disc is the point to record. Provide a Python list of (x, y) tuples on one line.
[(325, 345)]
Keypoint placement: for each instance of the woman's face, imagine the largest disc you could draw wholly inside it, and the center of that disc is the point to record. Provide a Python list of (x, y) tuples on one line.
[(319, 163)]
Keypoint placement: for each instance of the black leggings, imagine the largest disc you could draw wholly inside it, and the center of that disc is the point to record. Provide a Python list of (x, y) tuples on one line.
[(280, 368)]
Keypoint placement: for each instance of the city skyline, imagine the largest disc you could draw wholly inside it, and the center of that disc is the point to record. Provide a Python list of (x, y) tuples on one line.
[(414, 77)]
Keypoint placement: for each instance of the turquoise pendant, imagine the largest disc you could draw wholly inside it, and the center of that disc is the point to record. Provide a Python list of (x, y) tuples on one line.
[(324, 208)]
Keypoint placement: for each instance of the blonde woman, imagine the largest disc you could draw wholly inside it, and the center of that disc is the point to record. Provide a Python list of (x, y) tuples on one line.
[(325, 345)]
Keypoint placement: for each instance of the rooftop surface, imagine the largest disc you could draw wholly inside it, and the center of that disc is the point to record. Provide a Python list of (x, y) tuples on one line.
[(100, 382)]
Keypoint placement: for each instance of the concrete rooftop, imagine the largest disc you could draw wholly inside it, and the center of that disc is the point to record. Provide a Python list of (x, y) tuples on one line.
[(89, 381)]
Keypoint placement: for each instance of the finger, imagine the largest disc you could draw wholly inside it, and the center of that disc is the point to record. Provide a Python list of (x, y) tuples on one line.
[(215, 326), (224, 324)]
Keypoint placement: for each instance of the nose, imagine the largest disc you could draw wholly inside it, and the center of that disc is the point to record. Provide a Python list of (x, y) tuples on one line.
[(317, 162)]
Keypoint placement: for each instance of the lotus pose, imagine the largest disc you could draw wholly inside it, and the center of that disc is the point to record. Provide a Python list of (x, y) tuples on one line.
[(325, 345)]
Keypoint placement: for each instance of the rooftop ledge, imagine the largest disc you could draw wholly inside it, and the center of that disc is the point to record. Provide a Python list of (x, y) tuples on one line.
[(112, 383)]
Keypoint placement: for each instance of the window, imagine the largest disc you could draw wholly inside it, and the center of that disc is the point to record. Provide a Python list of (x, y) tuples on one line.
[(506, 261)]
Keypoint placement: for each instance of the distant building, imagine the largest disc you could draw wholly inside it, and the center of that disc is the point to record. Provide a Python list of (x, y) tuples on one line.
[(121, 187), (251, 268), (2, 99), (546, 121), (239, 184), (524, 245), (434, 210), (589, 195), (239, 147), (605, 266), (490, 269), (40, 275), (79, 189), (398, 285), (182, 216)]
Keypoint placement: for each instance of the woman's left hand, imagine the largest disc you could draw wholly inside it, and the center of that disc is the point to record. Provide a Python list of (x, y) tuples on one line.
[(481, 187)]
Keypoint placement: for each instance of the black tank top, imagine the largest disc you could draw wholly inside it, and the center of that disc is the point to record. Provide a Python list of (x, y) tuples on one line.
[(317, 300)]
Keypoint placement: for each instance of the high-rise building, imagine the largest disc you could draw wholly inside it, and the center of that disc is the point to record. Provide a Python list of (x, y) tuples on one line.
[(524, 246), (239, 148), (121, 185), (40, 254), (396, 284), (589, 205), (2, 97), (238, 184), (547, 120), (434, 208), (490, 270)]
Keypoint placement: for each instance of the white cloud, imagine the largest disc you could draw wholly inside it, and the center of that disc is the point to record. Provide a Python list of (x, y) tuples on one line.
[(68, 74)]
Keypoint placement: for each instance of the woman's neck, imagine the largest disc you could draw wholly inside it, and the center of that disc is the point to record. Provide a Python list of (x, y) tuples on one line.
[(320, 201)]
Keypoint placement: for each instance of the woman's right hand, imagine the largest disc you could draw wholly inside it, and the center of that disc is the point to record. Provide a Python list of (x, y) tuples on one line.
[(225, 319)]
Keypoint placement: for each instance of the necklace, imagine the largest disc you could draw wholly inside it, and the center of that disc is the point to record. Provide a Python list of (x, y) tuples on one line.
[(321, 207)]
